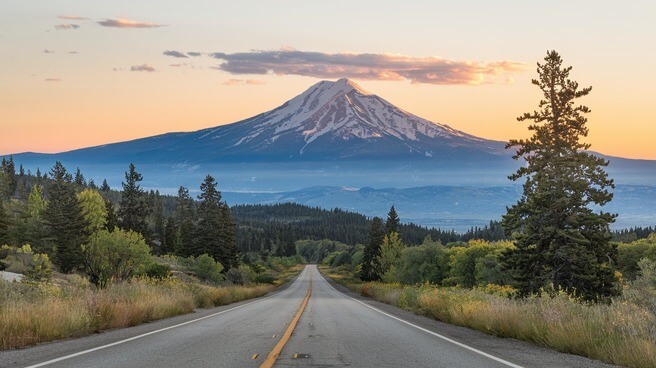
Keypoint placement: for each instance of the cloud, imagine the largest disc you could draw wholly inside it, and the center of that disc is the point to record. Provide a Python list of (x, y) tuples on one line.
[(66, 26), (241, 82), (176, 54), (126, 23), (46, 51), (175, 65), (53, 79), (73, 52), (429, 70), (72, 17), (143, 68), (194, 53)]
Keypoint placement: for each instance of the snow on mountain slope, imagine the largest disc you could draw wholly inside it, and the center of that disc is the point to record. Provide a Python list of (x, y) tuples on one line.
[(340, 119)]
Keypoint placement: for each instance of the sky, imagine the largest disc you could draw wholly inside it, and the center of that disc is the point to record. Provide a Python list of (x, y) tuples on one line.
[(78, 73)]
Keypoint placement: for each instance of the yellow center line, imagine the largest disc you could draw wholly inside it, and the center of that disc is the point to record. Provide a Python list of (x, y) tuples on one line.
[(275, 353)]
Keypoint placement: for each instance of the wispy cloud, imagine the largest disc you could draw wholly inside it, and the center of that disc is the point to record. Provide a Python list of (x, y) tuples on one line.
[(143, 68), (126, 23), (241, 82), (65, 26), (194, 53), (72, 17), (176, 54), (53, 79), (46, 51), (430, 70)]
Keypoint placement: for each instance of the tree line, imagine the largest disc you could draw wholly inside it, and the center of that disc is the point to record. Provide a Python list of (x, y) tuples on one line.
[(71, 220)]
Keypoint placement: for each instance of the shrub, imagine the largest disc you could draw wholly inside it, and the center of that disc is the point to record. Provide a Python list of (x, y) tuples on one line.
[(117, 254), (243, 275), (265, 278), (158, 271), (35, 267), (207, 269)]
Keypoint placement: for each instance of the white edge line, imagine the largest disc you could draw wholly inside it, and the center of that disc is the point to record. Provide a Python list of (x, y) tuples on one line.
[(429, 331), (66, 357)]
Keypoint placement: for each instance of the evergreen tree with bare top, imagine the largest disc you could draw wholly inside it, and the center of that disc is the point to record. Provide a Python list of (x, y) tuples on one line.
[(560, 241)]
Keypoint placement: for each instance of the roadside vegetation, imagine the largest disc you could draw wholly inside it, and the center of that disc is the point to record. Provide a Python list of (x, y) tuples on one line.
[(45, 307), (91, 259), (558, 280), (622, 332)]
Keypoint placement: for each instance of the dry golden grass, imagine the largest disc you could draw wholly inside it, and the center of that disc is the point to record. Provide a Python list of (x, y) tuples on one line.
[(621, 333), (34, 313)]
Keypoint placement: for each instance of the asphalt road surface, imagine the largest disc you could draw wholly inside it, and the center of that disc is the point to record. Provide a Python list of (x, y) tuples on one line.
[(336, 329)]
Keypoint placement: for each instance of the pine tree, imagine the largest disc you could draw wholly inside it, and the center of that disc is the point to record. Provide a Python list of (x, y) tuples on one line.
[(133, 208), (186, 224), (213, 234), (104, 187), (559, 240), (92, 184), (229, 236), (168, 240), (112, 218), (8, 179), (371, 270), (158, 217), (79, 179), (393, 222), (65, 220)]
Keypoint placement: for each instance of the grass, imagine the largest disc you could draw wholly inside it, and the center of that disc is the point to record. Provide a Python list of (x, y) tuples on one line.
[(35, 313), (622, 333)]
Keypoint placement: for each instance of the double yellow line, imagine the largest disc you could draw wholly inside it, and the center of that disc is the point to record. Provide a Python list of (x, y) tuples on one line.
[(275, 353)]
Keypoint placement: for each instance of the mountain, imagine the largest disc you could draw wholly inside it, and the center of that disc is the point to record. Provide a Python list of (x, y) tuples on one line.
[(330, 121), (340, 120)]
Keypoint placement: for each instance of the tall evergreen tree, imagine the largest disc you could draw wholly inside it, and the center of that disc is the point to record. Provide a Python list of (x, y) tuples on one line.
[(8, 179), (104, 187), (79, 179), (213, 234), (559, 239), (371, 269), (393, 222), (186, 223), (38, 177), (229, 235), (133, 208), (65, 220), (168, 240), (92, 184), (112, 218), (158, 217)]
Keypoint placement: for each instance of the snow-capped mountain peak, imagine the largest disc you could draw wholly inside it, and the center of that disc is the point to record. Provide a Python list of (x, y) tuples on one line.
[(341, 114)]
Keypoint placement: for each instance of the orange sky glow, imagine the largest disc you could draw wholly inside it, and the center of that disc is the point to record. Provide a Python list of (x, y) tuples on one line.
[(81, 73)]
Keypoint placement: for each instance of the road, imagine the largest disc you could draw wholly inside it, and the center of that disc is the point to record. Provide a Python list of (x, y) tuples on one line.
[(336, 329)]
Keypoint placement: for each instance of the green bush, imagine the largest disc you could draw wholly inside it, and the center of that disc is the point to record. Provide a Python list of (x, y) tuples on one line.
[(628, 255), (158, 271), (118, 254), (207, 269), (265, 278), (243, 275), (35, 266)]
